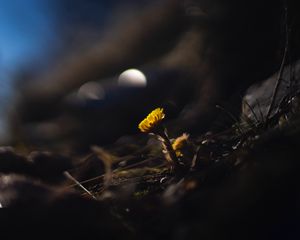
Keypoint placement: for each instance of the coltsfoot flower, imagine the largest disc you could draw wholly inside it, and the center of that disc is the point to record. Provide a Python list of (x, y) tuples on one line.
[(179, 143), (152, 120), (151, 125)]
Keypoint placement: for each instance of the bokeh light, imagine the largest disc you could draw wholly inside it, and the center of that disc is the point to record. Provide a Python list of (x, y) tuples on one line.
[(132, 78)]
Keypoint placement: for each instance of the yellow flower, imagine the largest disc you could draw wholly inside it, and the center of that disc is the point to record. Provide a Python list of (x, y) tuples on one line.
[(179, 143), (152, 120)]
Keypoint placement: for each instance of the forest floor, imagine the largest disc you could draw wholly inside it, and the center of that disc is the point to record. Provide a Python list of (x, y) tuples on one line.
[(237, 183)]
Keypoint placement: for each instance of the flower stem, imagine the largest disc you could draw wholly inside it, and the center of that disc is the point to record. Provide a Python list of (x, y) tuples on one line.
[(168, 147)]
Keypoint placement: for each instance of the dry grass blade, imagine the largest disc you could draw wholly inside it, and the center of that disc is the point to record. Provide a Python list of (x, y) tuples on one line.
[(98, 178), (108, 160), (69, 176)]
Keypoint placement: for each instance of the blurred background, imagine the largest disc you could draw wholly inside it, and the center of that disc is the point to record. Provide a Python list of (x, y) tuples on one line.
[(34, 33), (81, 72), (37, 33), (26, 30)]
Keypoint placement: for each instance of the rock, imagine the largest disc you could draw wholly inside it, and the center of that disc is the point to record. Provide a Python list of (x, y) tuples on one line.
[(35, 208), (258, 97), (11, 162), (49, 167), (44, 166)]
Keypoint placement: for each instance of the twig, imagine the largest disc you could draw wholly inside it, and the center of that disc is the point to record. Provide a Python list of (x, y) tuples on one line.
[(195, 157), (279, 77)]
